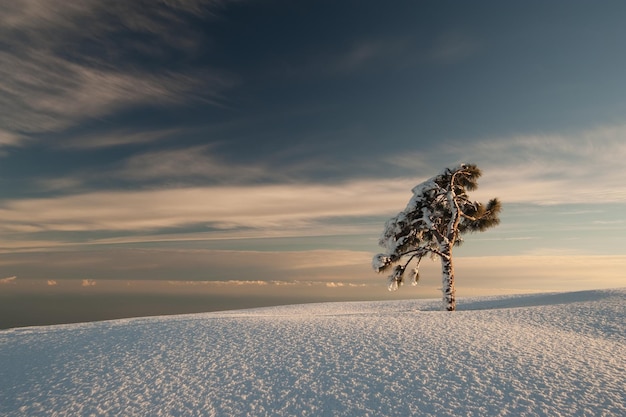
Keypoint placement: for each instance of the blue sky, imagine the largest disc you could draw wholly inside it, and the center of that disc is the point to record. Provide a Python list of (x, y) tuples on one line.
[(228, 143)]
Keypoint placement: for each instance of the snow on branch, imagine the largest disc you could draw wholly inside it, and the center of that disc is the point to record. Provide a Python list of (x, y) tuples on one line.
[(436, 216)]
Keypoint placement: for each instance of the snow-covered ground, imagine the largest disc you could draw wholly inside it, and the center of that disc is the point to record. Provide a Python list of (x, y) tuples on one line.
[(536, 355)]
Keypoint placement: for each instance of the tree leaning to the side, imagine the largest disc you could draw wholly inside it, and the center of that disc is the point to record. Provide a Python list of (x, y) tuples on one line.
[(432, 224)]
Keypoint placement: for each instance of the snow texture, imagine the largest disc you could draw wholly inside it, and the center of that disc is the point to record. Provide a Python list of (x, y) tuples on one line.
[(560, 354)]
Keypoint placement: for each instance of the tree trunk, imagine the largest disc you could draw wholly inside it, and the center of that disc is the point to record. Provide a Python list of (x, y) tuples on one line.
[(447, 281)]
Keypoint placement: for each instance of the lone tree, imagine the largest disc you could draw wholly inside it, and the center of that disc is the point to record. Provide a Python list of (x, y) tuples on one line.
[(432, 224)]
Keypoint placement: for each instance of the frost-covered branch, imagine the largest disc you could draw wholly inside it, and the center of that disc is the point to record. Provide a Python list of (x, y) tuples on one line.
[(432, 223)]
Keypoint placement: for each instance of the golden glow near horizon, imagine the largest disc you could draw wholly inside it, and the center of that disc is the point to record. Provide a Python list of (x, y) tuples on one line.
[(322, 272)]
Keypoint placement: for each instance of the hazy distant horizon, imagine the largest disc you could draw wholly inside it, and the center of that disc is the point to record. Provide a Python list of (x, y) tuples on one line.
[(42, 309), (79, 304), (27, 302)]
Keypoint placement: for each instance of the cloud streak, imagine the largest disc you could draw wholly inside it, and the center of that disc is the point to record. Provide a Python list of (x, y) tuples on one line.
[(119, 138), (561, 168), (50, 81), (265, 206), (194, 162), (8, 280), (258, 283)]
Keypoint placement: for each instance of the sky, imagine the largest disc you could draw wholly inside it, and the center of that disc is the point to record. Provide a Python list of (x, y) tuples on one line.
[(254, 148)]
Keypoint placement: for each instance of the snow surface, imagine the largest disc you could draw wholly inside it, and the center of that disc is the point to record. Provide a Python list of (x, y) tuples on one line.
[(560, 354)]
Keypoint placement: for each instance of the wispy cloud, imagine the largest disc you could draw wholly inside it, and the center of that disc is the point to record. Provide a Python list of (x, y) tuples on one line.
[(119, 138), (8, 280), (88, 283), (49, 80), (196, 161), (42, 22), (570, 168), (240, 283), (583, 167), (8, 138), (188, 165), (42, 92), (607, 222), (264, 206), (344, 284), (61, 183)]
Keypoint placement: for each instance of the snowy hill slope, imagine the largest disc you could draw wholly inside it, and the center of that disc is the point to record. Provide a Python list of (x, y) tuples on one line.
[(548, 354)]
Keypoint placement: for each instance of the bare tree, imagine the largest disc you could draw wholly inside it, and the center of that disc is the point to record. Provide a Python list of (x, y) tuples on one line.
[(439, 212)]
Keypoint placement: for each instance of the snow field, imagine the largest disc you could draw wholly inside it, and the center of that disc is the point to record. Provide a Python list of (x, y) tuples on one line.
[(550, 354)]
